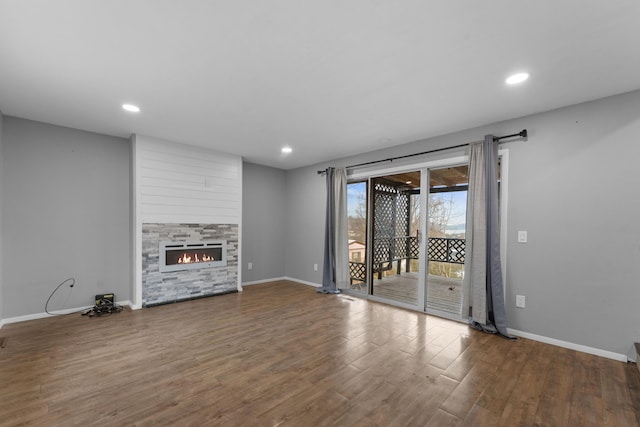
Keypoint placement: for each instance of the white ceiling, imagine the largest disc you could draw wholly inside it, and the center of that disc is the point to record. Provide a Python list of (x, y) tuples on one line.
[(330, 78)]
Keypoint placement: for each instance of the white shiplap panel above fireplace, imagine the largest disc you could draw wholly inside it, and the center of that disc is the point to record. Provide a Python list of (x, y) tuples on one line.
[(179, 183)]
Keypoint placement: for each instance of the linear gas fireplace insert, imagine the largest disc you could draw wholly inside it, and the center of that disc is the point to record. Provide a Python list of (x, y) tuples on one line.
[(177, 256)]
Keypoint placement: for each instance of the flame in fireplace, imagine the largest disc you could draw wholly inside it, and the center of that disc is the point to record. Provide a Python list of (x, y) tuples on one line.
[(188, 259)]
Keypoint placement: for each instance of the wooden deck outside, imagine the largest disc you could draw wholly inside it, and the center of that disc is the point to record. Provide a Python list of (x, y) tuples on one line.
[(443, 294)]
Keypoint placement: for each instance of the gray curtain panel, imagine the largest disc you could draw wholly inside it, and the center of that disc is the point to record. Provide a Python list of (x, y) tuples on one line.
[(341, 227), (329, 285), (483, 272), (475, 267)]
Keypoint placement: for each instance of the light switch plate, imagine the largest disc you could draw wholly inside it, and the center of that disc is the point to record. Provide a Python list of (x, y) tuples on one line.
[(522, 236)]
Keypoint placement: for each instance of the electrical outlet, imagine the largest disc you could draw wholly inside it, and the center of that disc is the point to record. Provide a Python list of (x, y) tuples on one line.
[(520, 301), (250, 266), (315, 267)]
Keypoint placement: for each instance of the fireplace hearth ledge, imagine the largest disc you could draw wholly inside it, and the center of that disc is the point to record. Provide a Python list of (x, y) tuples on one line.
[(156, 304)]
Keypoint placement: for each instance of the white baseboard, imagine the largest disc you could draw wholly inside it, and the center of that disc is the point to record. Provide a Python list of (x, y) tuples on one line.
[(304, 282), (257, 282), (56, 312), (127, 303), (43, 315), (570, 345)]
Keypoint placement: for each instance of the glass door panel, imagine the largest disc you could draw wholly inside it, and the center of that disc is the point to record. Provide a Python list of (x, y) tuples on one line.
[(357, 230), (395, 219), (447, 207)]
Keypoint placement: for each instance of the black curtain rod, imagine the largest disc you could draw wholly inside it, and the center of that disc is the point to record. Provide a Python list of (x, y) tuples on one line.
[(521, 134)]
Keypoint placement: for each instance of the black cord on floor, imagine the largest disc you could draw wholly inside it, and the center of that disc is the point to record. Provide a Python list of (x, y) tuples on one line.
[(102, 307), (46, 305)]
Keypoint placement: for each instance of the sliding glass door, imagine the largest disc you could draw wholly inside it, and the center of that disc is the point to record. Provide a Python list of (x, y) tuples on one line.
[(407, 236), (406, 248)]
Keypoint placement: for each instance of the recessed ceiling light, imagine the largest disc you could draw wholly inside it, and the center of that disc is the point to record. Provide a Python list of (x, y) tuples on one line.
[(131, 108), (517, 78), (408, 182), (286, 149)]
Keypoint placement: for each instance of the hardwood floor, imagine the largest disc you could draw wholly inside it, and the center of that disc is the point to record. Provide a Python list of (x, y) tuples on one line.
[(281, 354)]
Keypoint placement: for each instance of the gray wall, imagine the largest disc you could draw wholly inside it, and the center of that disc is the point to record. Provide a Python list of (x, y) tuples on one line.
[(263, 222), (65, 214), (572, 186), (305, 213)]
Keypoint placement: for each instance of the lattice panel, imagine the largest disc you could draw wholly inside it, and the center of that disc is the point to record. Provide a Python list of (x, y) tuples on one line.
[(447, 250), (414, 248), (385, 188), (437, 249), (383, 223), (358, 271), (402, 214), (457, 250), (384, 211), (382, 250), (401, 247)]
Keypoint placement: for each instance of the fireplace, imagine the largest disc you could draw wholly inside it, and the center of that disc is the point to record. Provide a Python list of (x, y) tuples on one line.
[(178, 256)]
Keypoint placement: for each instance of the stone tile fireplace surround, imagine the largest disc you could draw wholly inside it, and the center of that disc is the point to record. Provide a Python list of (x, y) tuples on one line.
[(162, 288)]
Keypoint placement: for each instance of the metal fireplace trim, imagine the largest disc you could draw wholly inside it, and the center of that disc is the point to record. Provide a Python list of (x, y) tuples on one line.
[(208, 244)]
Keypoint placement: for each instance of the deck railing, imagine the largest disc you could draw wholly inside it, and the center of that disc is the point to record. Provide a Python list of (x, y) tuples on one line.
[(387, 250), (445, 249)]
